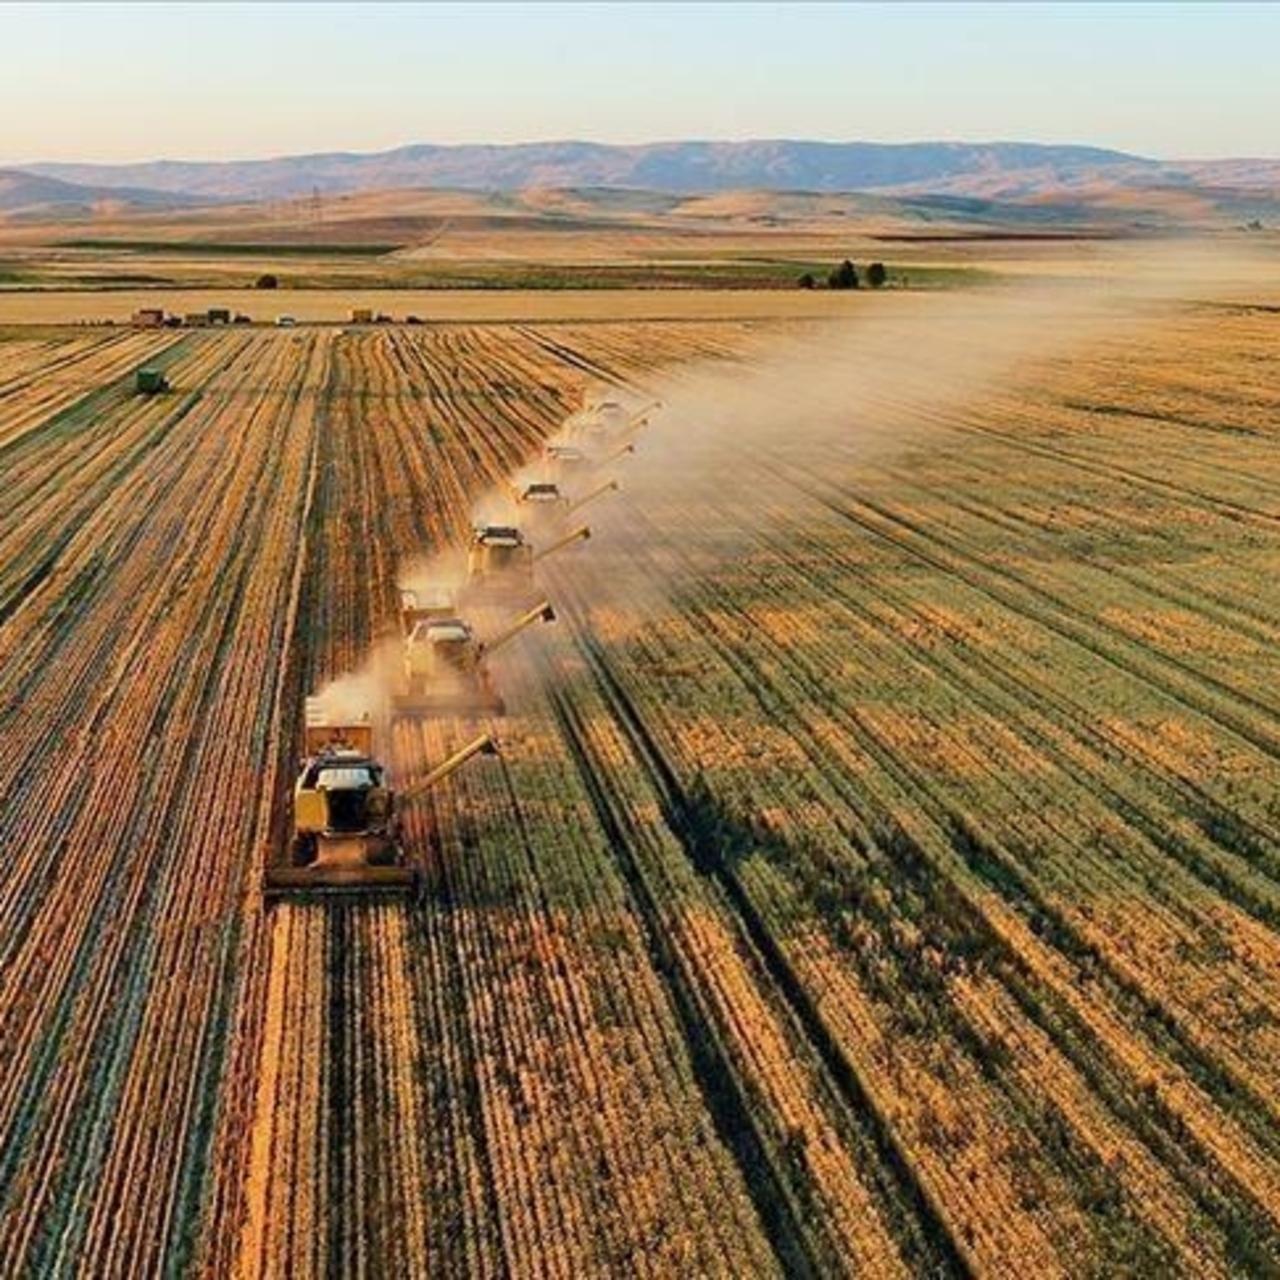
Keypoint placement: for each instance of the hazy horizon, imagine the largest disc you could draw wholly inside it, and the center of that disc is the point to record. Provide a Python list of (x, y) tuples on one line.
[(410, 144), (360, 152), (138, 83)]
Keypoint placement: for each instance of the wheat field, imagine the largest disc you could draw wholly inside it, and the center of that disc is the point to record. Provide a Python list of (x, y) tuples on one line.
[(879, 871)]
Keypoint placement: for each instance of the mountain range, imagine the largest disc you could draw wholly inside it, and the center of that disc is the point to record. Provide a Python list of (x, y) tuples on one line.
[(1069, 179), (674, 166), (954, 167)]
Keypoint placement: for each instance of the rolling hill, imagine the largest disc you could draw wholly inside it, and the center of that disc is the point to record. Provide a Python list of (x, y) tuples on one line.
[(24, 194), (682, 167), (556, 186)]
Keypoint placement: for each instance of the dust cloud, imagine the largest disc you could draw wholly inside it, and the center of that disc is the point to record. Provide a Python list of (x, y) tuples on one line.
[(362, 696), (498, 506), (430, 575), (712, 466)]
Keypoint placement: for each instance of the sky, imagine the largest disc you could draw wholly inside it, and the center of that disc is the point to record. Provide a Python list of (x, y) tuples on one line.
[(130, 82)]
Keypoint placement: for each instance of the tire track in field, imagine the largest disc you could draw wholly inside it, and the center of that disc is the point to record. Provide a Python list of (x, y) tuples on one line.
[(932, 1245), (717, 1083)]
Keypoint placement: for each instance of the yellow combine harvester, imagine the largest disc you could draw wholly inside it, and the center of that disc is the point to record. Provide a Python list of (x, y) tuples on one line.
[(566, 459), (500, 562), (499, 556), (446, 667), (604, 423), (545, 506), (346, 832)]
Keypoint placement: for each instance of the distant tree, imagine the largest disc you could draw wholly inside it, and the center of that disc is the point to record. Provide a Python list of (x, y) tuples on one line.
[(807, 281), (267, 281), (845, 276), (876, 275)]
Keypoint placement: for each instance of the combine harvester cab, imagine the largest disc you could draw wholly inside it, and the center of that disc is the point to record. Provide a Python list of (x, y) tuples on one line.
[(542, 495), (446, 668), (543, 504), (346, 835)]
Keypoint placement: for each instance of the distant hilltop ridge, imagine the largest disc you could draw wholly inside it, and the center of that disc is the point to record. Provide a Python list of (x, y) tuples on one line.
[(22, 190), (993, 170)]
